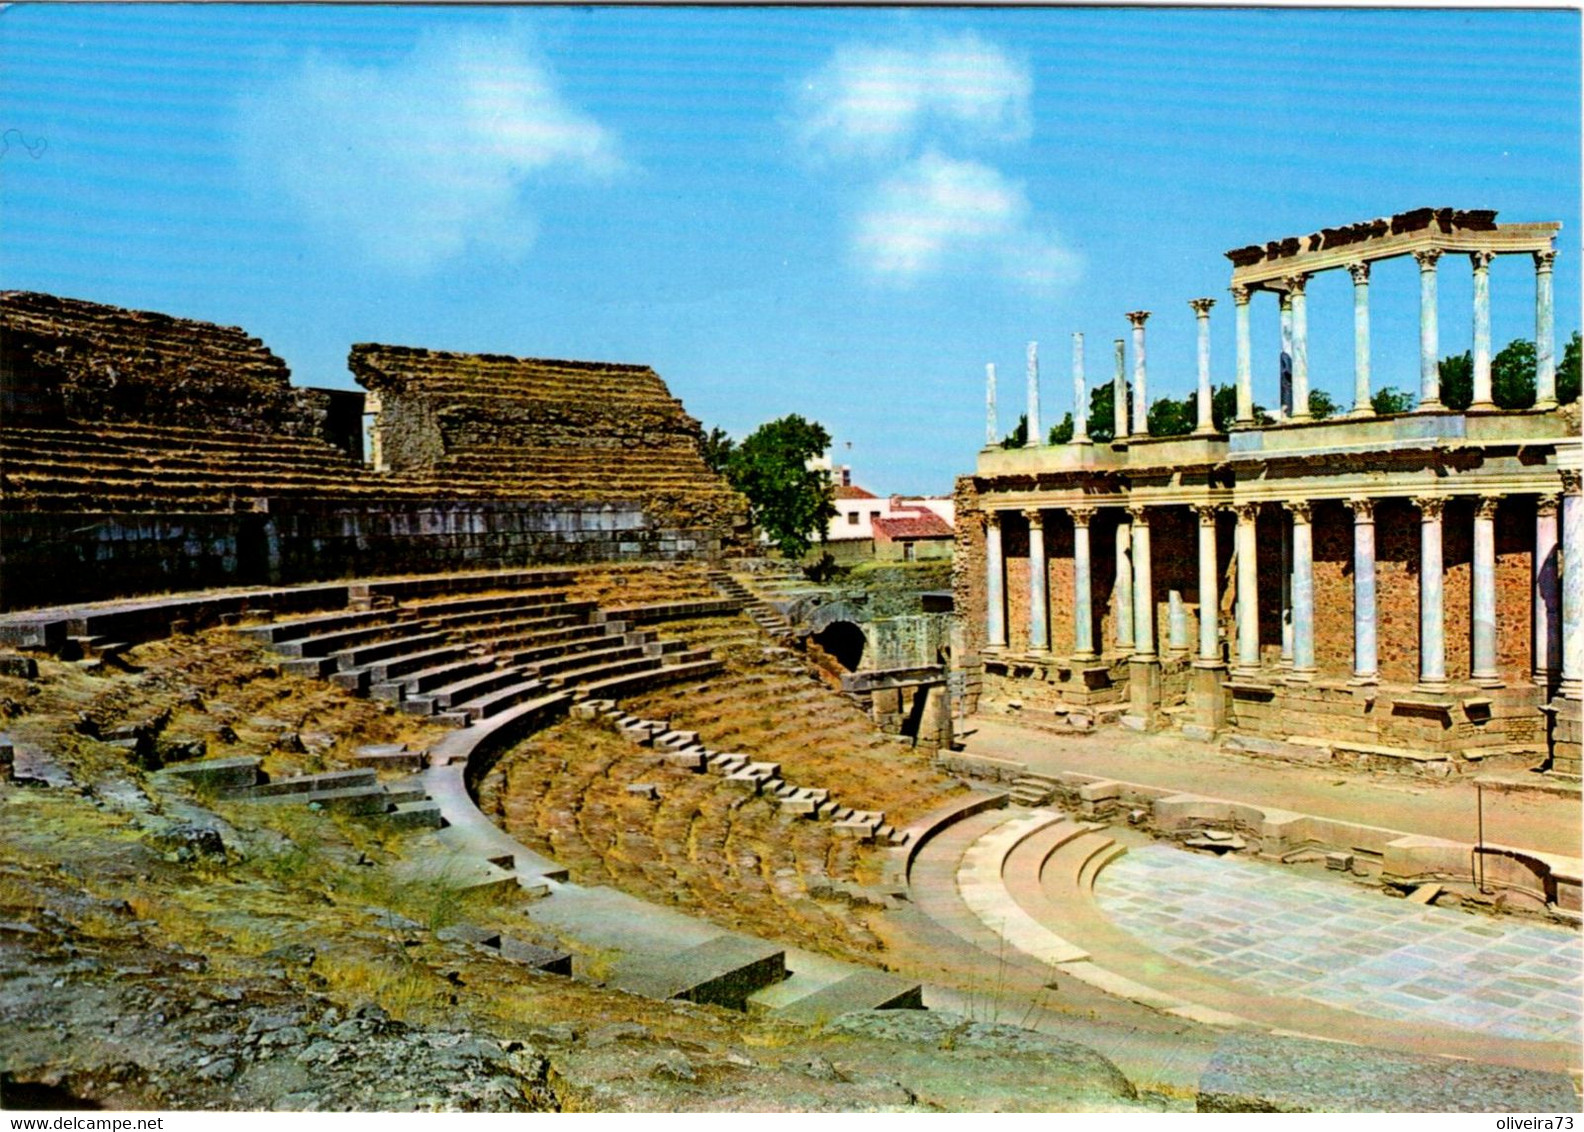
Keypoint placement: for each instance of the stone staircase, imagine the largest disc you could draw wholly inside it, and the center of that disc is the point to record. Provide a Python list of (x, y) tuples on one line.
[(1033, 790), (403, 804), (765, 615)]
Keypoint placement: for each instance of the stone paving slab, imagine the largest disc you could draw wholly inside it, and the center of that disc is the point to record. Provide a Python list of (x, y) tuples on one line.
[(1262, 927)]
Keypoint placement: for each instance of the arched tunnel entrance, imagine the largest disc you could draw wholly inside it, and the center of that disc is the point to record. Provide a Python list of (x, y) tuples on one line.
[(845, 643)]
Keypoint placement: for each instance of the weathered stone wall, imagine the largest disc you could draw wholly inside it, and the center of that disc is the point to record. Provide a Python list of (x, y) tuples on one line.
[(54, 558), (968, 569)]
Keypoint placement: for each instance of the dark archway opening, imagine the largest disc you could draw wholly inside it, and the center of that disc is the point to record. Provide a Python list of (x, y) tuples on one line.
[(844, 641)]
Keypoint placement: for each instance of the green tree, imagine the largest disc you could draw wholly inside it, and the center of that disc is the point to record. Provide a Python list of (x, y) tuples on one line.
[(1102, 413), (1567, 374), (716, 448), (1457, 380), (1018, 437), (1392, 400), (1223, 409), (1321, 406), (787, 499), (1513, 375), (1170, 417), (1062, 432)]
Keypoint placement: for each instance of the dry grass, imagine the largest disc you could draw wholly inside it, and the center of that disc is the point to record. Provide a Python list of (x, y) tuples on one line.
[(641, 584)]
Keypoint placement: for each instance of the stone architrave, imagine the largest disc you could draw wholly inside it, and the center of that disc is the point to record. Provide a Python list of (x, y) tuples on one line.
[(1245, 363), (1296, 288), (1545, 332), (1482, 668), (1303, 610), (1362, 404), (995, 583), (1083, 585), (1201, 309), (1482, 330), (1572, 587), (1140, 395), (1545, 637), (1248, 657), (1209, 599), (1429, 332), (1432, 617), (1366, 662), (1039, 608)]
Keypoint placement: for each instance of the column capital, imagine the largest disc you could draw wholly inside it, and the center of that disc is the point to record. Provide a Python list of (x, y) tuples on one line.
[(1360, 272), (1201, 307), (1363, 509), (992, 518), (1081, 514), (1485, 508), (1140, 514), (1207, 513), (1296, 283), (1137, 318), (1241, 293), (1300, 510), (1481, 260), (1430, 507), (1247, 512), (1427, 258), (1284, 300), (1547, 505), (1544, 260), (1570, 481), (1035, 516)]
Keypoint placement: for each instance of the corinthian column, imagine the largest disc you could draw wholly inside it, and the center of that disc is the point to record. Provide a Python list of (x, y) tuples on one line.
[(1300, 346), (1143, 587), (1362, 406), (1080, 394), (1248, 657), (1429, 332), (1545, 333), (1124, 585), (1039, 609), (1545, 637), (1245, 363), (1083, 588), (1432, 620), (1285, 397), (1201, 309), (1035, 437), (1366, 669), (1303, 611), (1209, 599), (992, 433), (995, 582), (1482, 331), (1140, 397), (1482, 666), (1119, 397), (1572, 587)]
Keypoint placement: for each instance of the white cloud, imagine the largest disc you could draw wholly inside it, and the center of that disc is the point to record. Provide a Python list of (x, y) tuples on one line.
[(937, 211), (875, 101), (417, 162)]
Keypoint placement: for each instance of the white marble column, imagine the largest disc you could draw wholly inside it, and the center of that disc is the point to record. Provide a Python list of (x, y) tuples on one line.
[(1432, 618), (1209, 595), (1482, 651), (1303, 609), (995, 583), (1124, 585), (1083, 586), (1080, 394), (1366, 662), (1140, 393), (1546, 604), (1176, 623), (1284, 370), (1482, 330), (1572, 587), (1286, 588), (1119, 393), (1296, 287), (1039, 608), (992, 432), (1035, 436), (1361, 341), (1429, 331), (1248, 655), (1201, 309), (1545, 333), (1143, 587), (1245, 362)]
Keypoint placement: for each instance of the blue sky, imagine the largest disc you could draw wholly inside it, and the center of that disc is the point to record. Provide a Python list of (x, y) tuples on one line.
[(843, 213)]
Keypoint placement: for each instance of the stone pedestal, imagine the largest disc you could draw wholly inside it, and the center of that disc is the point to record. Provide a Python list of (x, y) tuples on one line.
[(1144, 694), (1206, 695)]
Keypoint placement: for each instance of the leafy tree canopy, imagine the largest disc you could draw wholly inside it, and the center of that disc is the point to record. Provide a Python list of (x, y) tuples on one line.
[(1018, 437), (1392, 400), (1568, 372), (787, 499), (1062, 432), (716, 448)]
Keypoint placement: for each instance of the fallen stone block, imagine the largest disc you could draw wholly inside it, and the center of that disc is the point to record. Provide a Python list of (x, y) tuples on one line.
[(15, 664), (422, 814), (536, 957), (645, 790), (218, 774)]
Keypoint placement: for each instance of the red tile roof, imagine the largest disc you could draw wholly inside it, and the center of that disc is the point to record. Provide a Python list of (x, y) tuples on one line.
[(853, 491), (926, 524)]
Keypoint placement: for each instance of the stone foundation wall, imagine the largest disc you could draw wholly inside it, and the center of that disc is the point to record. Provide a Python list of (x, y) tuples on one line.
[(55, 558)]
